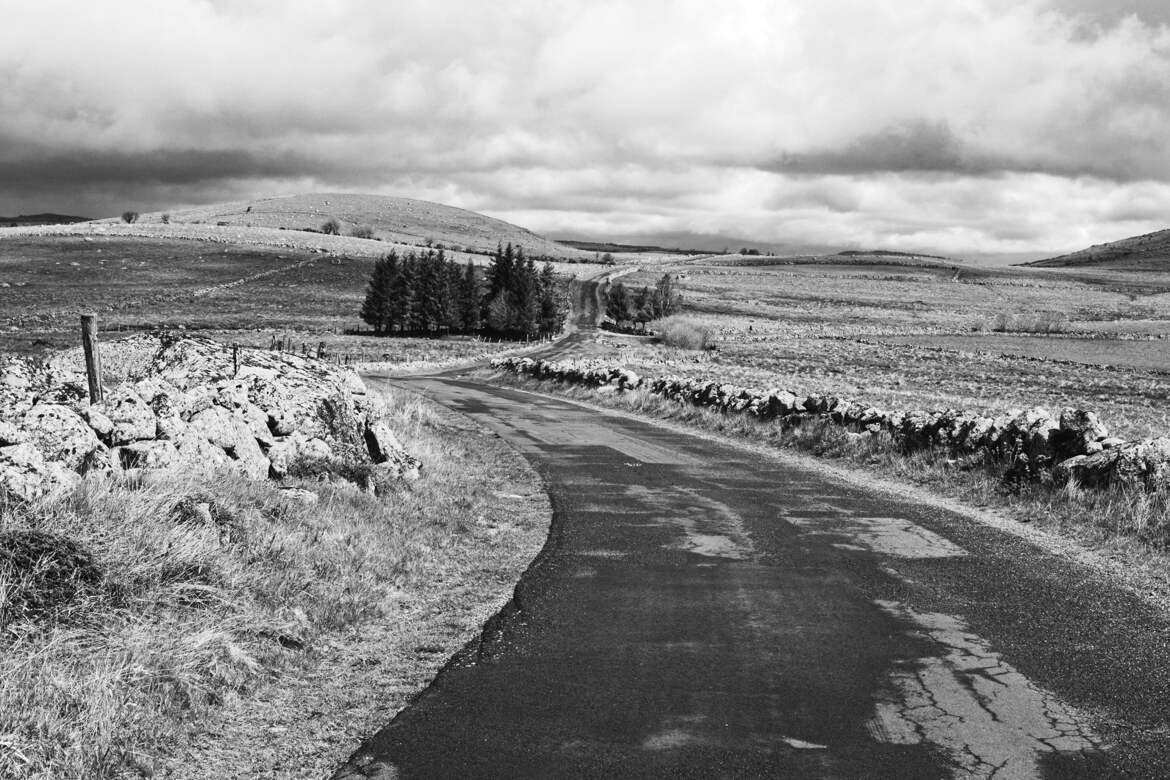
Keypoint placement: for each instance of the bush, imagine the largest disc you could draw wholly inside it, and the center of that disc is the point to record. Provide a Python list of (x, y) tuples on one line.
[(1038, 322), (166, 219), (331, 227), (682, 332), (129, 217), (362, 474), (362, 231), (41, 573)]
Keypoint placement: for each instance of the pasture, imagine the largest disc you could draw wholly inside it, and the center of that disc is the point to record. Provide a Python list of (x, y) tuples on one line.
[(240, 293), (908, 334)]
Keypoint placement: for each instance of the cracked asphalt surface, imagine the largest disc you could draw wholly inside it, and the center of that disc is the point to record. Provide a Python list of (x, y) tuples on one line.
[(703, 611)]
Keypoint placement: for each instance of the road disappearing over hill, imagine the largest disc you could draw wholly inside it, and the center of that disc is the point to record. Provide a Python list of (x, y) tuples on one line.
[(702, 610)]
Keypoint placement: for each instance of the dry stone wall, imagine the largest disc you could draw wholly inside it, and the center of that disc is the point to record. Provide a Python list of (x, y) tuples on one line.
[(1072, 445), (187, 407)]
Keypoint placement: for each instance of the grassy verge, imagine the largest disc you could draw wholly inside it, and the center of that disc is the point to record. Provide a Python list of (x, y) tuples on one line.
[(236, 630), (1118, 517)]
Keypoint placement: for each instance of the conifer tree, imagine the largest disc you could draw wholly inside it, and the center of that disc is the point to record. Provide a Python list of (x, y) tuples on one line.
[(666, 299), (375, 307), (617, 305), (551, 306), (643, 305), (403, 294), (526, 300), (469, 298)]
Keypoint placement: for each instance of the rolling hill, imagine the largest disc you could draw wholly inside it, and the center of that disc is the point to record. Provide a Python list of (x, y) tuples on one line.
[(391, 219), (40, 219), (1149, 252)]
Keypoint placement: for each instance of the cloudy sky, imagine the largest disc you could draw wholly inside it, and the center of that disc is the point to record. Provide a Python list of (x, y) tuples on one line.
[(959, 126)]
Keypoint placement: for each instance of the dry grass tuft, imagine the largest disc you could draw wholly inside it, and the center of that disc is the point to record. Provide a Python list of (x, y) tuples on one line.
[(684, 332), (1036, 322)]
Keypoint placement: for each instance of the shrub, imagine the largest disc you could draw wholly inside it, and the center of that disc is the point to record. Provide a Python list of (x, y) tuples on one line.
[(682, 332), (166, 219), (331, 227), (365, 475), (362, 231), (1038, 322), (129, 217), (41, 572)]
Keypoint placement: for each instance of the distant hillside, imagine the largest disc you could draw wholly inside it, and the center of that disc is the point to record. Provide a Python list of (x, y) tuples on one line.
[(40, 219), (606, 246), (1150, 252), (391, 219)]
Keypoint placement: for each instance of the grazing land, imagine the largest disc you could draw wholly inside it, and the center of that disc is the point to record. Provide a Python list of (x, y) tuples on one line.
[(235, 291), (907, 333)]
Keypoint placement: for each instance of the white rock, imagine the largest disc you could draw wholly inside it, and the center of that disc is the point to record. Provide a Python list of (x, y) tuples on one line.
[(60, 434), (132, 417)]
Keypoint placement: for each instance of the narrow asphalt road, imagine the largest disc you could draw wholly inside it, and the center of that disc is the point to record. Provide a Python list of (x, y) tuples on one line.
[(703, 611)]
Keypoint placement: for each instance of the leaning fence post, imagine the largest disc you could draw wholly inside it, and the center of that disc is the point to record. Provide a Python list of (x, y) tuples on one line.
[(93, 358)]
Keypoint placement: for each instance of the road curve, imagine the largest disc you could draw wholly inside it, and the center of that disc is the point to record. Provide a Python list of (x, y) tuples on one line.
[(703, 611)]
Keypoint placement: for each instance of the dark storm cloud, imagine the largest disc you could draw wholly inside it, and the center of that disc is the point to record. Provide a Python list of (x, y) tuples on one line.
[(914, 147), (819, 121), (173, 167)]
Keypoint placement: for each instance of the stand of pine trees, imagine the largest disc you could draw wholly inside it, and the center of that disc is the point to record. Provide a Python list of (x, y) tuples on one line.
[(428, 294), (627, 307)]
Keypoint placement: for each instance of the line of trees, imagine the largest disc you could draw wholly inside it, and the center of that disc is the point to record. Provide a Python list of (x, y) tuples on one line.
[(625, 306), (429, 294)]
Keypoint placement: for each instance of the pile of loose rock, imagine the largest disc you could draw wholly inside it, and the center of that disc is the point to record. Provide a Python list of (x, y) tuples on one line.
[(189, 408), (1074, 445)]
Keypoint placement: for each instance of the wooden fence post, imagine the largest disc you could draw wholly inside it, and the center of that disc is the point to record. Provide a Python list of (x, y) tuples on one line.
[(93, 358), (235, 360)]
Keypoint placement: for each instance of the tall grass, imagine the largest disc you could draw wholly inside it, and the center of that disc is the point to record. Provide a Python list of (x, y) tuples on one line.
[(1034, 322), (683, 332), (206, 592)]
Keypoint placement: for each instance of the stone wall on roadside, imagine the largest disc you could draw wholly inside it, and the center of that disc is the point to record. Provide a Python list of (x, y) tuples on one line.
[(1072, 445), (187, 407)]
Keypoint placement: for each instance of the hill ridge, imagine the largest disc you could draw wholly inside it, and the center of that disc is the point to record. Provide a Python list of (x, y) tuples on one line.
[(388, 218), (1145, 252)]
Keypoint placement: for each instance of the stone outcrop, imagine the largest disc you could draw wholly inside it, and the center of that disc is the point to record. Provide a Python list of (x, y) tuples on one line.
[(1073, 445), (187, 407)]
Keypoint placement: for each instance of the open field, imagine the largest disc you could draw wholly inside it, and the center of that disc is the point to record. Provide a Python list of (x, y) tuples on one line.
[(233, 292), (919, 336)]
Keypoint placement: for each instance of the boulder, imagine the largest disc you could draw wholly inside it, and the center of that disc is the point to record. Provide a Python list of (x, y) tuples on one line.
[(10, 434), (60, 434), (131, 415), (25, 474), (1133, 464), (102, 425), (147, 455), (1080, 433), (286, 450), (381, 442), (197, 453), (782, 402), (231, 434)]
